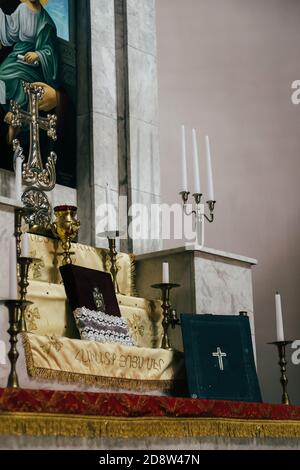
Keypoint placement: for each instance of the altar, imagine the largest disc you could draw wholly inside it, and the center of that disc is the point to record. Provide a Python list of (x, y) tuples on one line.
[(101, 346)]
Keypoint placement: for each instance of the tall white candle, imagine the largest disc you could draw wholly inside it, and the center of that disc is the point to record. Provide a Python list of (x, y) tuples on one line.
[(18, 179), (111, 225), (25, 245), (165, 273), (210, 182), (197, 188), (279, 321), (13, 281), (183, 160)]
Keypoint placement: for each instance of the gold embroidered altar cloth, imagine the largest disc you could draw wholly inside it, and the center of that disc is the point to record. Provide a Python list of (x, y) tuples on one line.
[(107, 365)]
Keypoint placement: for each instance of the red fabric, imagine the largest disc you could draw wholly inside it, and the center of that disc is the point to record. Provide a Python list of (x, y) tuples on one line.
[(125, 405)]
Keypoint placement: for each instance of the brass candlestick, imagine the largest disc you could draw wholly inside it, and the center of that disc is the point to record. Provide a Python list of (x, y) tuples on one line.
[(281, 346), (113, 254), (20, 213), (14, 308), (24, 264), (18, 229), (66, 227), (168, 316)]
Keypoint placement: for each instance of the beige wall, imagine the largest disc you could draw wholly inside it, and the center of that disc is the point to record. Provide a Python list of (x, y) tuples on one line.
[(226, 67)]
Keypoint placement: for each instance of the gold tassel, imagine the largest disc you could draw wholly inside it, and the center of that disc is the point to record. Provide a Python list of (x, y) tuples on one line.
[(33, 424)]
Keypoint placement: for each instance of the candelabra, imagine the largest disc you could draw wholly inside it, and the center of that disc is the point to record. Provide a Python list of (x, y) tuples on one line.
[(199, 212), (281, 346), (15, 307), (169, 315)]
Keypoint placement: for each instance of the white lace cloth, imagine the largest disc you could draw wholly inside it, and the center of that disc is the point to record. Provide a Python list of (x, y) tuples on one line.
[(98, 326)]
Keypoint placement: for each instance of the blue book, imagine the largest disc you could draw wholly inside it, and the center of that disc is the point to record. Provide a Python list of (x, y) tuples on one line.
[(219, 357)]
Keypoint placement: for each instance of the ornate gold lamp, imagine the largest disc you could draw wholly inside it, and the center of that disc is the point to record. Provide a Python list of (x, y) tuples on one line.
[(66, 227)]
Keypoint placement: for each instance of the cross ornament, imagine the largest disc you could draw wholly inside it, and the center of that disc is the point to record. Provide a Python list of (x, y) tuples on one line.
[(37, 208), (33, 171), (219, 354)]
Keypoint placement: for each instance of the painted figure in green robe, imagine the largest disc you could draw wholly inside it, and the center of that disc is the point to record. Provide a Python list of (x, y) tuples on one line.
[(32, 32)]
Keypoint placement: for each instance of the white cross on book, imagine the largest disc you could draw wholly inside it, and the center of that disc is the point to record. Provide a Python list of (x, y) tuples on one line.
[(219, 354)]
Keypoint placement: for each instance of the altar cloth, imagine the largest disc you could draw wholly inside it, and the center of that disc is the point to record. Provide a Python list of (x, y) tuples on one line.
[(105, 365), (112, 415)]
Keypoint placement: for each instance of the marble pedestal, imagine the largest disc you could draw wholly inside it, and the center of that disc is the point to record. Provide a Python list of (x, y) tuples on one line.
[(210, 281)]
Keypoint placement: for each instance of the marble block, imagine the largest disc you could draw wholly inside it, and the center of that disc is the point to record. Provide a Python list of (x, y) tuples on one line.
[(210, 281)]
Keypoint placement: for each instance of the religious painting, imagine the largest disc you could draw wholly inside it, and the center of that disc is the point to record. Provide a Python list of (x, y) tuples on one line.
[(36, 47)]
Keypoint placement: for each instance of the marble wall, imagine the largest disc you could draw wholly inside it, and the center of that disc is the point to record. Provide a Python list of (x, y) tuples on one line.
[(138, 110), (119, 144)]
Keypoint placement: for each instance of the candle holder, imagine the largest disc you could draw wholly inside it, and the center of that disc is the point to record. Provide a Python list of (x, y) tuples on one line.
[(281, 346), (15, 308), (168, 316), (198, 212), (113, 254), (20, 213), (111, 236), (24, 263)]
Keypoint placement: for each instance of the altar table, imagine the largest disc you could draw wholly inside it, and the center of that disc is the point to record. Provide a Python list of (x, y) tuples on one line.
[(119, 420)]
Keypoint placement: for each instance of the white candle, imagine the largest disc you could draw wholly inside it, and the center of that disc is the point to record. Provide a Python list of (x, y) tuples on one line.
[(18, 179), (183, 160), (165, 273), (111, 226), (13, 281), (197, 188), (25, 245), (210, 182), (279, 322)]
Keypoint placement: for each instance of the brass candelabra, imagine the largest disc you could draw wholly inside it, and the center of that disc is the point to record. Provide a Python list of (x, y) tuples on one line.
[(169, 314), (281, 346), (198, 212)]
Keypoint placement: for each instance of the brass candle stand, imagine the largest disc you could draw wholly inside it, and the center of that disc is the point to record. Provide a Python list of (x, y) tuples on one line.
[(24, 264), (113, 254), (281, 346), (15, 307), (169, 316)]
